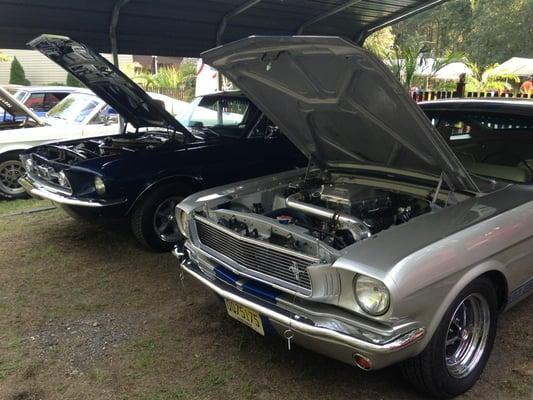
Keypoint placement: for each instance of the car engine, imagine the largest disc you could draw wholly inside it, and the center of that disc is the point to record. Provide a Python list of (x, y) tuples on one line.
[(336, 214), (71, 153)]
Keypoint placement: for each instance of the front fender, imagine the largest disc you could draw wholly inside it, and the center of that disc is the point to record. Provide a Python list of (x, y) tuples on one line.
[(14, 148)]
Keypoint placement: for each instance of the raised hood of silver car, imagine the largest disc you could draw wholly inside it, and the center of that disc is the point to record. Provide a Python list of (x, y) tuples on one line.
[(338, 103), (107, 82), (16, 108)]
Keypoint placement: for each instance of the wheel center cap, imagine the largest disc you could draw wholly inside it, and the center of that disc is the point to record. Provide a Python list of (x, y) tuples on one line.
[(464, 334)]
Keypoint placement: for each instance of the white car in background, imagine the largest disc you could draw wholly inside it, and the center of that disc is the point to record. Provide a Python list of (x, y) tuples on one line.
[(80, 114)]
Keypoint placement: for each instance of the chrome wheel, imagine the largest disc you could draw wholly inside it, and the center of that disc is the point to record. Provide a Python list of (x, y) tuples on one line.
[(165, 220), (10, 172), (467, 335)]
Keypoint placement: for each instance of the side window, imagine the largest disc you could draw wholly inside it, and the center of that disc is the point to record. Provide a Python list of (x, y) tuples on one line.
[(227, 116), (461, 126), (231, 112), (51, 99), (35, 101), (107, 115)]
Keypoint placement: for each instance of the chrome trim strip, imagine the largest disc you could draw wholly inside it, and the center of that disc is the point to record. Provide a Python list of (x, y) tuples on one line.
[(399, 343), (38, 190)]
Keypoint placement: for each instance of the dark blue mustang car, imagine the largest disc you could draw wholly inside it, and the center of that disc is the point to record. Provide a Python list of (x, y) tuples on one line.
[(143, 172)]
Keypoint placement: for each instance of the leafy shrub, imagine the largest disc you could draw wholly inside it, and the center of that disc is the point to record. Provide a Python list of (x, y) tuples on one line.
[(17, 76)]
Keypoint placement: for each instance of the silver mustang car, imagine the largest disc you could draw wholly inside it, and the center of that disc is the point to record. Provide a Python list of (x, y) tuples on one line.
[(385, 249)]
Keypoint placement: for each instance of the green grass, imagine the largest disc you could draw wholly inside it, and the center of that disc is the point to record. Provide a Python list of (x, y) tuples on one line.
[(15, 206)]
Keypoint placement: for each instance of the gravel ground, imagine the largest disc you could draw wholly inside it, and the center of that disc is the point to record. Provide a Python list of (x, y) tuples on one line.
[(88, 314)]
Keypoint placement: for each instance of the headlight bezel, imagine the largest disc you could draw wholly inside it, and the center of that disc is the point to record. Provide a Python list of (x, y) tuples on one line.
[(28, 164), (63, 181), (99, 185), (182, 219), (364, 285)]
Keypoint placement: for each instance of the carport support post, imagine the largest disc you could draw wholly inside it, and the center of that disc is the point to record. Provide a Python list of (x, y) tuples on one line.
[(114, 47), (224, 23)]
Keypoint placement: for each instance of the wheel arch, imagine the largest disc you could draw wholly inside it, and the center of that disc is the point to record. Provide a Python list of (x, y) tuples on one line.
[(193, 182), (12, 151), (492, 270)]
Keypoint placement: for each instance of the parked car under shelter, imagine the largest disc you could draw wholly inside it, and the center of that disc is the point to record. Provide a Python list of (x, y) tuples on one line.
[(388, 250)]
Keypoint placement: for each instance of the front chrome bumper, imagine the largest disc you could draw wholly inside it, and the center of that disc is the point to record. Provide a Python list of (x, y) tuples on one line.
[(305, 332), (40, 190)]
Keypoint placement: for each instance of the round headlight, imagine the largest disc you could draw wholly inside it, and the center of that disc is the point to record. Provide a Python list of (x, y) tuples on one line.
[(372, 295), (63, 180), (183, 222), (99, 185)]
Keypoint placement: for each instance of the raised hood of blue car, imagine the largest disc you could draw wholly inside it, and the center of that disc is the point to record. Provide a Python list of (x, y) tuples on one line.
[(108, 82), (338, 103)]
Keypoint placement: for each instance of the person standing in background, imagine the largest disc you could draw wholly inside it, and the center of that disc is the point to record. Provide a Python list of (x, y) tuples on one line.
[(527, 86)]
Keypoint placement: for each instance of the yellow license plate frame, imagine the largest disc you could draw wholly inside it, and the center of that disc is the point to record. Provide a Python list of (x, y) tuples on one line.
[(243, 314)]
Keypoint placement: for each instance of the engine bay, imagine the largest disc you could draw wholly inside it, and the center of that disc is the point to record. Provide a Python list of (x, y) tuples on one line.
[(336, 214), (71, 153)]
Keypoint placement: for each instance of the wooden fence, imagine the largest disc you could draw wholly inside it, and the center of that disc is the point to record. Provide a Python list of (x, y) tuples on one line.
[(435, 95), (177, 94)]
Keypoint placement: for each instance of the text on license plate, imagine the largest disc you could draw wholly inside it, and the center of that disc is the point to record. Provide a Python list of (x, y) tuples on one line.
[(243, 314)]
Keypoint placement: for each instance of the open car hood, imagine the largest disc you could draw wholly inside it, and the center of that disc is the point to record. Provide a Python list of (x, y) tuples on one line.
[(16, 108), (107, 82), (338, 103)]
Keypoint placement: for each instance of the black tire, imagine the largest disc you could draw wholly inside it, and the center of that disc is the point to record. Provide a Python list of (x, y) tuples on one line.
[(144, 221), (11, 169), (429, 371)]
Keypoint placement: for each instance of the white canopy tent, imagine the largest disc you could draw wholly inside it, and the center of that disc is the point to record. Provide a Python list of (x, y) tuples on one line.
[(450, 72), (517, 65)]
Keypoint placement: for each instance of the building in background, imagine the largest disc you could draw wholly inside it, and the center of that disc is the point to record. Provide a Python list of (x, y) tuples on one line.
[(153, 63), (40, 70)]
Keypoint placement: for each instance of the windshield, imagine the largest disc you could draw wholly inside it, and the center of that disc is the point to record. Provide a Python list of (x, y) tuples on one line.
[(226, 115), (74, 108)]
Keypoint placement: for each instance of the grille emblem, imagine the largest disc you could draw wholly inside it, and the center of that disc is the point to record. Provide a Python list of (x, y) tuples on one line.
[(295, 271)]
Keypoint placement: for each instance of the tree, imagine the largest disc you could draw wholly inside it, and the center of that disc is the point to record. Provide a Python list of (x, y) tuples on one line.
[(16, 74), (182, 79), (4, 57), (381, 42), (484, 30), (73, 81)]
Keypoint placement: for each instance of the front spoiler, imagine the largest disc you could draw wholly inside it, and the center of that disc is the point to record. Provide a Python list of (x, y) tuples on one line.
[(329, 342), (42, 191)]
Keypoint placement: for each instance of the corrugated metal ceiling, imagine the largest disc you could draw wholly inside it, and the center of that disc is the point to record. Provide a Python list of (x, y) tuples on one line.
[(188, 27)]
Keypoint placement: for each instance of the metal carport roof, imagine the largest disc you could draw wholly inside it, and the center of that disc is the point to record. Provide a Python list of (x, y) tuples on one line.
[(187, 27)]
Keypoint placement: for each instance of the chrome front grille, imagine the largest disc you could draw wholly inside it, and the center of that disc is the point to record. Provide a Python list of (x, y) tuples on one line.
[(41, 170), (268, 262)]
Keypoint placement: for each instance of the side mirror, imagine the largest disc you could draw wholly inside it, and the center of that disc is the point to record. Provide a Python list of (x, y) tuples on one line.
[(111, 119)]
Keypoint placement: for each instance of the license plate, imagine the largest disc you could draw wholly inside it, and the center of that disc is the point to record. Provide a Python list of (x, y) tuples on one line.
[(243, 314)]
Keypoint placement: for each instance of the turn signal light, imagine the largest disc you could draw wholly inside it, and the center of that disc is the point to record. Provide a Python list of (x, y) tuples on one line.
[(362, 362)]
